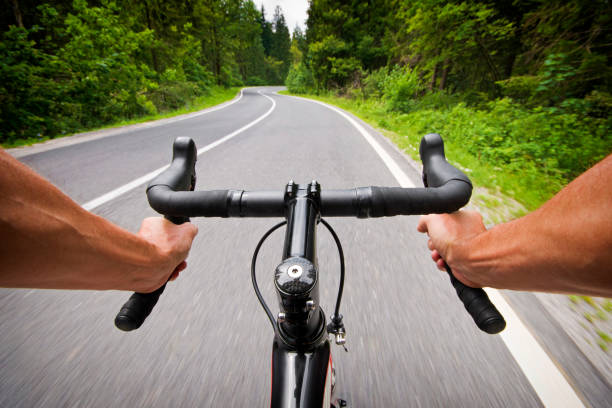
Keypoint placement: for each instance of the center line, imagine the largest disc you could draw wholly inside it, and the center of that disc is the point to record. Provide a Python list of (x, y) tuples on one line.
[(111, 195)]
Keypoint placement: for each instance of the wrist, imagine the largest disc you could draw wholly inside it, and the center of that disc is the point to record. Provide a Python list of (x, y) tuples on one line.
[(151, 271), (465, 258)]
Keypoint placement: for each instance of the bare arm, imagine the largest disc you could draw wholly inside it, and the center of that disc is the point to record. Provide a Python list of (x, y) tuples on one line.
[(565, 246), (49, 241)]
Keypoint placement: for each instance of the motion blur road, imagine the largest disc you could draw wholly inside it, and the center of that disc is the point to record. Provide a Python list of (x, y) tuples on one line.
[(208, 341)]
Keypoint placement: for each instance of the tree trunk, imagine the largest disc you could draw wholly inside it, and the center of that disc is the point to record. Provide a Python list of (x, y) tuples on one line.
[(151, 27), (487, 57), (216, 56), (17, 13), (444, 74), (434, 76)]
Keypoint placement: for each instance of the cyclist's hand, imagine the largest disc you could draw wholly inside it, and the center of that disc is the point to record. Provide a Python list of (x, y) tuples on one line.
[(172, 243), (449, 235)]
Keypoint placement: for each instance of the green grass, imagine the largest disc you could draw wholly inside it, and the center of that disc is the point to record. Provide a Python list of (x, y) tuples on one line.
[(216, 96), (406, 134)]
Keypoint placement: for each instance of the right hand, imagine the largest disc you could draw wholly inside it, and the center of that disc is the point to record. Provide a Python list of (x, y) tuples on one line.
[(172, 243), (449, 236)]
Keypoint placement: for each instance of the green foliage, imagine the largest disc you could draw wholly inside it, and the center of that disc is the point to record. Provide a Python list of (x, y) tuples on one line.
[(521, 91), (332, 66), (103, 80), (529, 154), (26, 94), (521, 88), (400, 87), (374, 83), (299, 80), (83, 65), (546, 148)]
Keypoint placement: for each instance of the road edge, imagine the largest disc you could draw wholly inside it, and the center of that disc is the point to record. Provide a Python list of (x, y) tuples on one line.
[(523, 356), (23, 151)]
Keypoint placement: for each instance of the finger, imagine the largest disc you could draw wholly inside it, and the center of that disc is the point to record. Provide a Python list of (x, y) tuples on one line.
[(192, 228), (181, 266), (422, 225), (435, 255), (177, 270), (441, 264), (466, 281), (430, 245)]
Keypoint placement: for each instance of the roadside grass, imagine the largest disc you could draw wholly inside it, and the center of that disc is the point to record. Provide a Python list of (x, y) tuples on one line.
[(500, 193), (216, 96), (504, 192)]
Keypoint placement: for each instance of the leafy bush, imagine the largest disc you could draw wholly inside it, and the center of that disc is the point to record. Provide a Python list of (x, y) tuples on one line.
[(299, 80), (26, 93), (544, 148), (400, 87), (256, 81), (174, 95), (331, 62), (520, 88), (374, 83)]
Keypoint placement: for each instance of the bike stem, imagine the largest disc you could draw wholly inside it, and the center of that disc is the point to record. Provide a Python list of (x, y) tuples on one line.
[(301, 321)]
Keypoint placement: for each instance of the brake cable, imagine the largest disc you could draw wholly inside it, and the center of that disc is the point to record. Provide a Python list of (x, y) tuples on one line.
[(254, 278), (336, 317)]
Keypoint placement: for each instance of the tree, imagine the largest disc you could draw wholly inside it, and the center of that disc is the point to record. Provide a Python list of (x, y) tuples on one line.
[(281, 43), (266, 32)]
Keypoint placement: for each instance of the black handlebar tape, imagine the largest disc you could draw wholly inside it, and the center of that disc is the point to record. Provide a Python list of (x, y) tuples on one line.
[(138, 307), (447, 198), (135, 311), (477, 303), (180, 176), (213, 203)]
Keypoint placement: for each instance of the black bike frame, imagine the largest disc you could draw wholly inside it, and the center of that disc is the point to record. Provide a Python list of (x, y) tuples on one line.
[(301, 357)]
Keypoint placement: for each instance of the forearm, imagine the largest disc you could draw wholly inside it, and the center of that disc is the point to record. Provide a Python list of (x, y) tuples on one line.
[(49, 241), (565, 246)]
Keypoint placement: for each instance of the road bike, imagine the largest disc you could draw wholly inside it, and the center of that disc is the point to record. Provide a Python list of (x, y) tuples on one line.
[(303, 374)]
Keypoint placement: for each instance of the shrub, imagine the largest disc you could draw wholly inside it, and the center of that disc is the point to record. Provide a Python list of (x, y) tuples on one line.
[(299, 80), (374, 83), (520, 88), (400, 87)]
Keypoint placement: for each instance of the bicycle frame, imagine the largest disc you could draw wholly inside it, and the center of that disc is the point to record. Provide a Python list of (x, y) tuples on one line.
[(301, 356)]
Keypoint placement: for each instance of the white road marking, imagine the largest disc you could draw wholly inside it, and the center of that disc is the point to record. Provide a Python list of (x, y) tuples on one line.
[(545, 377), (96, 202), (52, 144), (397, 172)]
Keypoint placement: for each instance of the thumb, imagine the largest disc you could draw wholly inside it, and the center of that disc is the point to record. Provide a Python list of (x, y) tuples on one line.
[(422, 226)]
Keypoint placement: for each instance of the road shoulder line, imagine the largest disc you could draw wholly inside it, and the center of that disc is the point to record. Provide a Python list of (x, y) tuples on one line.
[(544, 376)]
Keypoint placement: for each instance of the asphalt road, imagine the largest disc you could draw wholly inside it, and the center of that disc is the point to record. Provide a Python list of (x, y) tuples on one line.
[(208, 342)]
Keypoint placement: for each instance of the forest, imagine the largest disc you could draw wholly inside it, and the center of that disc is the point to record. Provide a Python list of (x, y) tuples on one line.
[(73, 65), (517, 88)]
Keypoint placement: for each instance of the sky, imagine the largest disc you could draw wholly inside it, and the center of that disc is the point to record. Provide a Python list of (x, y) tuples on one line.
[(293, 10)]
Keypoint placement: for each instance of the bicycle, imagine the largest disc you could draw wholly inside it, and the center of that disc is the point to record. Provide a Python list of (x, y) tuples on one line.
[(303, 374)]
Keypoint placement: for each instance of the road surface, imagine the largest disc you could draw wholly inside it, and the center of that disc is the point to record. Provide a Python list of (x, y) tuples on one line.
[(208, 341)]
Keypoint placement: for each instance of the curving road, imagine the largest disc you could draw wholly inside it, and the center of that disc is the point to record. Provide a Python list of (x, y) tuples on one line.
[(208, 342)]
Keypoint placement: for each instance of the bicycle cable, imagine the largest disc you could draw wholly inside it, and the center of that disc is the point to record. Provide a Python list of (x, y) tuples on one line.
[(254, 278), (341, 254), (254, 262)]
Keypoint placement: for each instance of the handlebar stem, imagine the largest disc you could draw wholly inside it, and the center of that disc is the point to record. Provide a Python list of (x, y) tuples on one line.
[(296, 278)]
